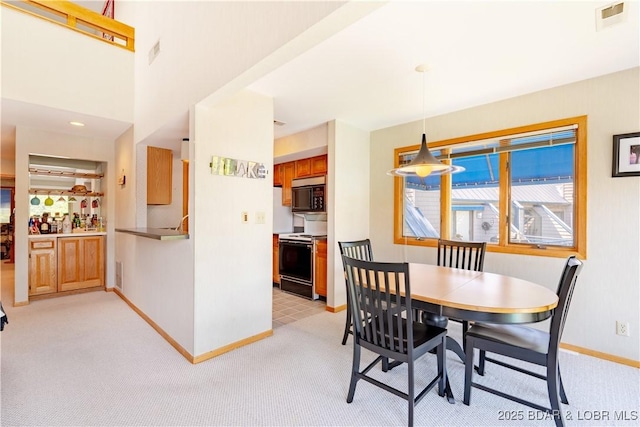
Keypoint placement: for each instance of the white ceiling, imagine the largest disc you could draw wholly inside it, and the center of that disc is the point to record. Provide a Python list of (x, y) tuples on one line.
[(477, 52)]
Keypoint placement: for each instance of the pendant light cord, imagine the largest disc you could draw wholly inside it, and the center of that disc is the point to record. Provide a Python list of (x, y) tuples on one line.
[(424, 117)]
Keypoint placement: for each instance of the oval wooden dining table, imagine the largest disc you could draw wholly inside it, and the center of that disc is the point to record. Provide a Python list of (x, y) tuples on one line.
[(479, 296)]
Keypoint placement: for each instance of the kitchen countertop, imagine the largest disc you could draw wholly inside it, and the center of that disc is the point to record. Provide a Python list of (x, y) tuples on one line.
[(155, 233)]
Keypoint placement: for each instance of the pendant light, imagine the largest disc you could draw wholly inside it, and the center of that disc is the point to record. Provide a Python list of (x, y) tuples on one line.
[(424, 164)]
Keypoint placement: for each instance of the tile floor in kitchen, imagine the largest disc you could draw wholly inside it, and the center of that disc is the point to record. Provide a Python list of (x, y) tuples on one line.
[(288, 308)]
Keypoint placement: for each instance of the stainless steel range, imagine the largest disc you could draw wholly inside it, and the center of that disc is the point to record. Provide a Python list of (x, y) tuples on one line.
[(297, 263)]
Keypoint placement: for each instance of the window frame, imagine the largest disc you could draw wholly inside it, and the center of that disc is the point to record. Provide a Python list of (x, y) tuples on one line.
[(503, 246)]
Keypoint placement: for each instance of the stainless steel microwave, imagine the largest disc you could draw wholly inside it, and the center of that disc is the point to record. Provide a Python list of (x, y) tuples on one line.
[(308, 194)]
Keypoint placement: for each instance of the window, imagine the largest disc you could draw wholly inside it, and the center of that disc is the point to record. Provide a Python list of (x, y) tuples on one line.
[(523, 191)]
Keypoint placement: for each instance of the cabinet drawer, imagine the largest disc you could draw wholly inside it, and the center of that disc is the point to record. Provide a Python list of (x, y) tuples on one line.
[(43, 244)]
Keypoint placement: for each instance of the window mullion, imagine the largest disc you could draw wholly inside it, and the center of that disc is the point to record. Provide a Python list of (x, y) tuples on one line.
[(445, 202), (504, 198)]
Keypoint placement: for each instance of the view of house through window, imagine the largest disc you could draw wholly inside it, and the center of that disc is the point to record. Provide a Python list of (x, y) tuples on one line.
[(518, 189)]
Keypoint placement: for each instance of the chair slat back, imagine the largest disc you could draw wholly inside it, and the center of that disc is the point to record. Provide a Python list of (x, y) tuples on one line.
[(465, 255), (358, 249), (377, 305), (566, 286)]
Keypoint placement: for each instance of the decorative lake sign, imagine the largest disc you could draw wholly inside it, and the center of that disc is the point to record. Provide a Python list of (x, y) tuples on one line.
[(233, 167)]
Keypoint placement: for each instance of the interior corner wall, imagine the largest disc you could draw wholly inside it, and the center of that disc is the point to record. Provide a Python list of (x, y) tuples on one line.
[(233, 260), (125, 195), (609, 286), (349, 200)]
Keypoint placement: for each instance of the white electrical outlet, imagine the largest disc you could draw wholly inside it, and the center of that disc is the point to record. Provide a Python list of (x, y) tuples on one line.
[(622, 328)]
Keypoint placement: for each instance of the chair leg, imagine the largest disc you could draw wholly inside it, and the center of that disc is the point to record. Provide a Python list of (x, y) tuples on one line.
[(355, 369), (465, 327), (411, 393), (563, 395), (347, 326), (468, 371), (481, 361), (552, 388)]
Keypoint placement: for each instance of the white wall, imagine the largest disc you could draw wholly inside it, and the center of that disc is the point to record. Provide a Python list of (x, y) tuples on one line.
[(203, 46), (157, 275), (309, 143), (609, 285), (233, 261), (35, 141), (348, 183), (46, 64)]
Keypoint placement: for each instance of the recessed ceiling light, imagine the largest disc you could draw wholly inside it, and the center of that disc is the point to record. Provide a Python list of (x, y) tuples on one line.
[(80, 124)]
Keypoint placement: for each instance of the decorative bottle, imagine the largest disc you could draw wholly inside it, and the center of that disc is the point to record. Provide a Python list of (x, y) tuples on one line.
[(66, 224)]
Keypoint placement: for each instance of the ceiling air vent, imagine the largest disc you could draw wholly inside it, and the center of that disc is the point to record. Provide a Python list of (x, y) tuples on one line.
[(153, 53), (609, 15), (277, 123)]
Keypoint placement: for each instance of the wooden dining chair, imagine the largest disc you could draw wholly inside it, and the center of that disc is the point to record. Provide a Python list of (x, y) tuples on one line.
[(457, 254), (383, 323), (526, 344), (358, 249)]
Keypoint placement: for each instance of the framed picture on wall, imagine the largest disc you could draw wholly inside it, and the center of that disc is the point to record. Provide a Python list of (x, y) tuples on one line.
[(626, 154)]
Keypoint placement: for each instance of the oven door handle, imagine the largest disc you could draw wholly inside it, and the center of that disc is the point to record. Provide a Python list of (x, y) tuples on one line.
[(292, 243)]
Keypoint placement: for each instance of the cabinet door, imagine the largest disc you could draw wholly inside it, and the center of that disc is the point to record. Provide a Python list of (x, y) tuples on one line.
[(277, 175), (80, 262), (159, 176), (42, 267), (319, 165), (288, 172), (276, 265), (303, 168), (321, 268)]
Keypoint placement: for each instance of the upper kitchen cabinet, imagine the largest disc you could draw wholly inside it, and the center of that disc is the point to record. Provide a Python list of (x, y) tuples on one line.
[(277, 175), (288, 172), (312, 166), (159, 176)]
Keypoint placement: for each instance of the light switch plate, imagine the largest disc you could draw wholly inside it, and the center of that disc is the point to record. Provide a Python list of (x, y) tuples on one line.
[(260, 217)]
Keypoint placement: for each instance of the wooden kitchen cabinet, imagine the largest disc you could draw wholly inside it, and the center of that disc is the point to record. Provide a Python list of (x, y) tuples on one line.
[(276, 264), (288, 171), (80, 262), (303, 168), (277, 175), (312, 166), (42, 266), (319, 165), (321, 268), (159, 175)]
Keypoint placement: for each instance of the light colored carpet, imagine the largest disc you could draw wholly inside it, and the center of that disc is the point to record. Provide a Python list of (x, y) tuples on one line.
[(90, 360)]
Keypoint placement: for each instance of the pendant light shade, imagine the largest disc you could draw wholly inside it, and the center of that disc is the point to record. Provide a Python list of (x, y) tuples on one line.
[(424, 164)]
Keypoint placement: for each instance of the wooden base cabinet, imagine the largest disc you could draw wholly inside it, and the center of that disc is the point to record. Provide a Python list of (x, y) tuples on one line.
[(321, 268), (80, 262), (42, 266)]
